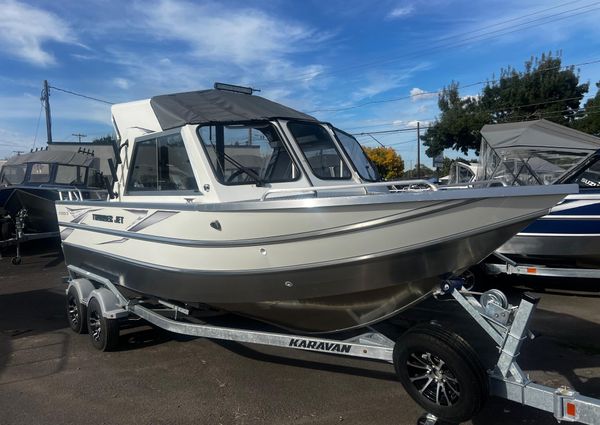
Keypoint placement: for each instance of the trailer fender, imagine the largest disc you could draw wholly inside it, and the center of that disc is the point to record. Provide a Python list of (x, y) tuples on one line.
[(83, 287), (109, 303)]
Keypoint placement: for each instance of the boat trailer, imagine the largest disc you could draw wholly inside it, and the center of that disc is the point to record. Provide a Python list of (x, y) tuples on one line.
[(95, 305), (509, 267), (21, 236)]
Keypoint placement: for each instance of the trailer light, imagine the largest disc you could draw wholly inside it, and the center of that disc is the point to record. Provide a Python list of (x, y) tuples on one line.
[(571, 409), (531, 270)]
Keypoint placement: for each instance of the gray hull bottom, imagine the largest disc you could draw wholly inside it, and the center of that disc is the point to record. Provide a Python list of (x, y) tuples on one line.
[(568, 251), (312, 300)]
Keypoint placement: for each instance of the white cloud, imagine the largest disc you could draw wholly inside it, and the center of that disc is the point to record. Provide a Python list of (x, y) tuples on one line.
[(420, 94), (242, 36), (121, 83), (401, 11), (24, 29), (422, 123)]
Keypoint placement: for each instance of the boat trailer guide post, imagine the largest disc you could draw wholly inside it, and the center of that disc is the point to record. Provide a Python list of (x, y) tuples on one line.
[(506, 325)]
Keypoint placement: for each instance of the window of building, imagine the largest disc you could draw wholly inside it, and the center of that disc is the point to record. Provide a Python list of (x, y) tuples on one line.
[(161, 164), (247, 154), (320, 151)]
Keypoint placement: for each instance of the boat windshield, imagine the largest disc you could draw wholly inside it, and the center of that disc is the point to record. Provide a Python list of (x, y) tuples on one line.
[(247, 154), (13, 174), (69, 174), (589, 177), (361, 161), (320, 151)]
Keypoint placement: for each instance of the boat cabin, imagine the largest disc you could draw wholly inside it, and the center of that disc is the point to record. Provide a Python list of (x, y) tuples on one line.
[(52, 168), (228, 145)]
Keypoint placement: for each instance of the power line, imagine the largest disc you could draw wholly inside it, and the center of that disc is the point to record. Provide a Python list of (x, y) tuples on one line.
[(37, 126), (425, 93), (82, 95), (463, 41)]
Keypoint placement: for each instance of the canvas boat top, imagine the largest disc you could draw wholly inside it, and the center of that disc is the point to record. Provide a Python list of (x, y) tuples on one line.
[(53, 157), (212, 106), (538, 134)]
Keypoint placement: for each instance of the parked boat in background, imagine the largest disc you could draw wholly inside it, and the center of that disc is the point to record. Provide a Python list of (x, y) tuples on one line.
[(544, 153), (30, 184), (232, 201)]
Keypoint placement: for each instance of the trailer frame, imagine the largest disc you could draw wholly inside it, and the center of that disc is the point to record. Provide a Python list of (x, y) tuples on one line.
[(505, 324)]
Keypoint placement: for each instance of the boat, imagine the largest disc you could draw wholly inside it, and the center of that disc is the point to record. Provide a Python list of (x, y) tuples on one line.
[(30, 183), (541, 152), (231, 202)]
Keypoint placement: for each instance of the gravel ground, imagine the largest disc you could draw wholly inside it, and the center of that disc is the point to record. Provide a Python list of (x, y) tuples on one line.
[(49, 375)]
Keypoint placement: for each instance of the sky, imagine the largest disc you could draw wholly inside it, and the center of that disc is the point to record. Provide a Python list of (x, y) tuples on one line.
[(363, 66)]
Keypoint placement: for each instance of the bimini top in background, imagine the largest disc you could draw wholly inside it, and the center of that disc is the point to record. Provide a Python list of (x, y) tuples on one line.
[(532, 152)]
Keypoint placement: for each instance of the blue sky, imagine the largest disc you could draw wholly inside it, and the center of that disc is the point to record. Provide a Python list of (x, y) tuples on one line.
[(311, 55)]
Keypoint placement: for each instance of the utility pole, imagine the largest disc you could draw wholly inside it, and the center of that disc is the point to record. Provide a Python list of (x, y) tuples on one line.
[(79, 136), (46, 101), (418, 150)]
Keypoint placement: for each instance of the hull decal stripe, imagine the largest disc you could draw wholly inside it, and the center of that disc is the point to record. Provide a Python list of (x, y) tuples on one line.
[(269, 240), (462, 235)]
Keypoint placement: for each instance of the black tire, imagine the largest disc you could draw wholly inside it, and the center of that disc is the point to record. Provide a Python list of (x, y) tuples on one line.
[(76, 312), (16, 261), (104, 333), (455, 387)]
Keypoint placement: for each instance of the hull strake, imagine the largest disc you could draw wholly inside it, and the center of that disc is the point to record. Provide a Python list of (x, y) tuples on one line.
[(361, 292)]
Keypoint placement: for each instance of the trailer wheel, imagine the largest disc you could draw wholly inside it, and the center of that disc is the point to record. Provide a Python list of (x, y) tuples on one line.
[(104, 332), (441, 372), (76, 312), (16, 261)]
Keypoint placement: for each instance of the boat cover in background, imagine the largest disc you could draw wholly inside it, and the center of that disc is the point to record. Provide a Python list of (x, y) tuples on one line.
[(214, 106), (531, 152), (54, 157)]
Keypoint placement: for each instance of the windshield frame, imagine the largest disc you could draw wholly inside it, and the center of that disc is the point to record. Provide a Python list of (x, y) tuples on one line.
[(335, 130), (298, 173)]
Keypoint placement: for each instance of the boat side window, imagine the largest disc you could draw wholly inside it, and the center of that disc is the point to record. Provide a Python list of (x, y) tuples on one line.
[(69, 174), (40, 173), (247, 154), (320, 151), (13, 174), (590, 177), (161, 164), (354, 150)]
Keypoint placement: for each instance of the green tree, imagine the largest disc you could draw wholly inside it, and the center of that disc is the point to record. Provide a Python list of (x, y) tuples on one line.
[(109, 138), (389, 164), (544, 89), (590, 117)]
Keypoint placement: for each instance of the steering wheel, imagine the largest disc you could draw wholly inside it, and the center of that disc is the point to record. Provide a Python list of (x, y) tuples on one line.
[(235, 174)]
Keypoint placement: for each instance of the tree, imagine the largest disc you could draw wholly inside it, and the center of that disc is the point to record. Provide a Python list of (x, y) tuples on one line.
[(590, 119), (389, 164), (544, 89), (108, 139)]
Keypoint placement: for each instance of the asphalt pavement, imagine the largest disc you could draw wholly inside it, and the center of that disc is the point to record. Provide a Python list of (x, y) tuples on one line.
[(49, 375)]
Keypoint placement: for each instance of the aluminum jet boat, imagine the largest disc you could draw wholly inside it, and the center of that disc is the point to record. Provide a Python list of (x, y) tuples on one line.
[(231, 201), (544, 153), (31, 182)]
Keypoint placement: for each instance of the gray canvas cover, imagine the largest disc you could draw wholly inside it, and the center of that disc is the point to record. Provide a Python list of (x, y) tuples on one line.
[(213, 106), (531, 152), (51, 157), (538, 134)]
